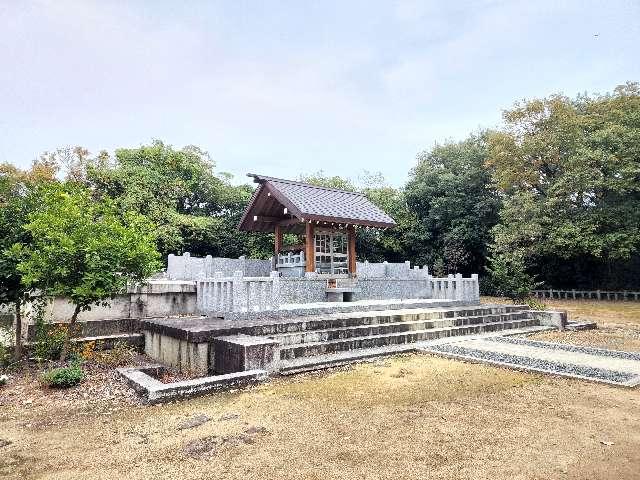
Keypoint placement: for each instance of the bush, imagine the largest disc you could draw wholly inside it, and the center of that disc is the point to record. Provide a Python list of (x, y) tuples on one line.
[(535, 304), (509, 277), (63, 377)]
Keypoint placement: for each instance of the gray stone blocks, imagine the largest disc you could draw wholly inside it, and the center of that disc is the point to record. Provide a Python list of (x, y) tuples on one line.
[(238, 353)]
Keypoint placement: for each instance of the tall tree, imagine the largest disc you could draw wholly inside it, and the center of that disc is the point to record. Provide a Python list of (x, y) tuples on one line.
[(450, 194), (569, 170), (84, 250), (18, 197), (194, 208)]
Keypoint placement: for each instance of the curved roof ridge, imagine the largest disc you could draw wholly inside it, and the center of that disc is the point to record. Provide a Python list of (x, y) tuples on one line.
[(265, 178)]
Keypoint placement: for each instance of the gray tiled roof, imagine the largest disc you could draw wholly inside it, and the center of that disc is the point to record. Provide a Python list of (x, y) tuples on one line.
[(314, 202)]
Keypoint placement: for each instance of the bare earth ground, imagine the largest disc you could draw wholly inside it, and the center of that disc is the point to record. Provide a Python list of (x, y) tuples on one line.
[(410, 417)]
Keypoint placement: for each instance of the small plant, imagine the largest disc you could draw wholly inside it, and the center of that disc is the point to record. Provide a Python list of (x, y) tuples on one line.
[(88, 351), (63, 377), (3, 380), (535, 304)]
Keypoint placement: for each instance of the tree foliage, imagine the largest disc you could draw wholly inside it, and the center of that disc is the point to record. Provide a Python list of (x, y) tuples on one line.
[(18, 198), (193, 208), (455, 206), (569, 171), (84, 249)]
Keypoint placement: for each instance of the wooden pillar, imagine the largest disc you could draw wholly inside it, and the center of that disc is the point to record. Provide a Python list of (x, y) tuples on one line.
[(277, 245), (278, 241), (351, 233), (309, 248)]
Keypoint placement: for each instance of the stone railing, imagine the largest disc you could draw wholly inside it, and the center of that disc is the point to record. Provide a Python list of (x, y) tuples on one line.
[(291, 264), (220, 295), (454, 287)]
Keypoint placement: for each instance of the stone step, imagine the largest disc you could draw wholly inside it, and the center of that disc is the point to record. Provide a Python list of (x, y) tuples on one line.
[(371, 341), (383, 328), (585, 325), (352, 319)]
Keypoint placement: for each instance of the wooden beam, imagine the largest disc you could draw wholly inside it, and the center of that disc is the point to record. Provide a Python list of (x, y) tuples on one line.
[(351, 233), (289, 221), (310, 252), (261, 218)]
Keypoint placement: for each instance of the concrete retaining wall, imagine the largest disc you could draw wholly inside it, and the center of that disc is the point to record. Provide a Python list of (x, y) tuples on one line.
[(157, 298)]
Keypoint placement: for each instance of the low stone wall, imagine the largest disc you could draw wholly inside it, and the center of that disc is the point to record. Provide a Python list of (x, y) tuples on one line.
[(157, 298), (186, 267)]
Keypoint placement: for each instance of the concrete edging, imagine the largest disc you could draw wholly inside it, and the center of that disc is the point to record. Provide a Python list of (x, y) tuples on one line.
[(154, 391)]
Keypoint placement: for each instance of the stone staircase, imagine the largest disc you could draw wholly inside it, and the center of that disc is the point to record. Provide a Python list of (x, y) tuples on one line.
[(343, 338)]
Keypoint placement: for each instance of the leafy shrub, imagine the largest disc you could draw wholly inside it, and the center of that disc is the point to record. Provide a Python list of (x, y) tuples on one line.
[(63, 377), (50, 340)]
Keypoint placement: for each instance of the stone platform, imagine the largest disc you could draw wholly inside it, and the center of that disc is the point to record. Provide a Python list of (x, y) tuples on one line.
[(205, 345)]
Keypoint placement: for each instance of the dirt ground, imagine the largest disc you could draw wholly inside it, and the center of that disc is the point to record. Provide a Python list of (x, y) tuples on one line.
[(406, 417)]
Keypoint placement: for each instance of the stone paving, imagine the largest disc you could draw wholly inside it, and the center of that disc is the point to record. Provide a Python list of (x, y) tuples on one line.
[(595, 364)]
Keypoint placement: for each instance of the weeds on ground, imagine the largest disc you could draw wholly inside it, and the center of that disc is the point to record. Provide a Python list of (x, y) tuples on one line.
[(121, 354)]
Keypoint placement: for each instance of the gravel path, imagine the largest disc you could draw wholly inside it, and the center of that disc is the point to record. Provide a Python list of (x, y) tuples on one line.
[(569, 348), (536, 363)]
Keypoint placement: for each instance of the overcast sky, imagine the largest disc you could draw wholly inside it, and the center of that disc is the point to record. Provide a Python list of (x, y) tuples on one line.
[(284, 88)]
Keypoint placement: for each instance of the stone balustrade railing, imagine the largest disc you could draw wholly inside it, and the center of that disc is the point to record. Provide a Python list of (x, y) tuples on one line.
[(219, 295), (454, 287), (291, 259)]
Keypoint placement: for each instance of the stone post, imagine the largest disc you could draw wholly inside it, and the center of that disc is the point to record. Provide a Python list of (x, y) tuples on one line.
[(239, 296), (460, 293), (476, 287), (275, 291)]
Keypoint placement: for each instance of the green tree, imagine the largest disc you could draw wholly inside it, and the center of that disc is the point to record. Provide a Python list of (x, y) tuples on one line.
[(84, 249), (450, 195), (569, 170), (194, 208), (17, 199), (509, 277)]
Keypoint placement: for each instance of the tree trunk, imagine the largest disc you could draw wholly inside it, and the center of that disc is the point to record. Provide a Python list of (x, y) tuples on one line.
[(17, 352), (71, 333)]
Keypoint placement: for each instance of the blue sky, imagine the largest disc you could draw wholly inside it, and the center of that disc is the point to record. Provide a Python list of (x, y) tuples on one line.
[(285, 88)]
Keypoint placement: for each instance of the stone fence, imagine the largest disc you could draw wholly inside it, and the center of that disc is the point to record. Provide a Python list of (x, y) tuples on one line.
[(220, 294), (401, 270), (588, 294), (454, 287), (186, 267)]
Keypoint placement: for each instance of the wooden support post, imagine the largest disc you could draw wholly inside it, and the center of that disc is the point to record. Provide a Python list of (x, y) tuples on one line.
[(277, 245), (351, 235), (310, 254)]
